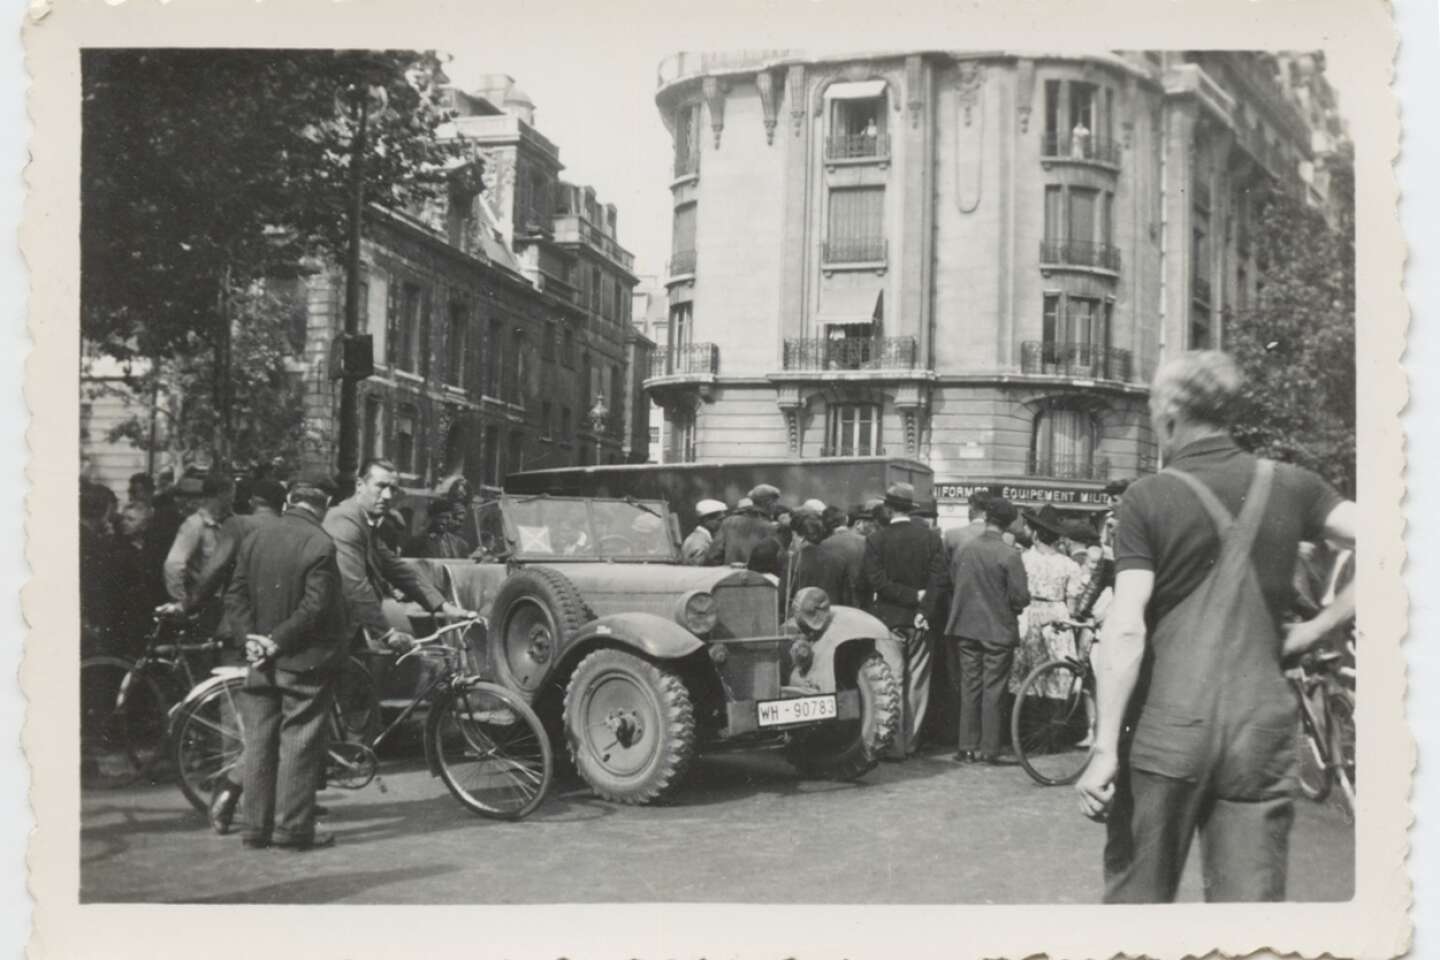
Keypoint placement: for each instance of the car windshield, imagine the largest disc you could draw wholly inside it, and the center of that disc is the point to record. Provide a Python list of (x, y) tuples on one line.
[(589, 529)]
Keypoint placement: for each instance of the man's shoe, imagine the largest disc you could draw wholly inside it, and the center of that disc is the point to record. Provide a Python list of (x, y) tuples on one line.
[(314, 842), (255, 843), (222, 807), (965, 756), (1004, 759)]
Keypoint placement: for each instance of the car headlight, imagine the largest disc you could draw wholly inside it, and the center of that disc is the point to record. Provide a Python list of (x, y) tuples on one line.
[(696, 612), (811, 610)]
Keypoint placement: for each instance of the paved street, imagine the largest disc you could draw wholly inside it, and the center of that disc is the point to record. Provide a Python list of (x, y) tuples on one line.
[(744, 829)]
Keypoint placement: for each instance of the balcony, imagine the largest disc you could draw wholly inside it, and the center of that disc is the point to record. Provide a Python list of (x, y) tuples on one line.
[(1086, 149), (1200, 289), (1058, 467), (1083, 361), (871, 353), (1080, 253), (682, 264), (691, 359), (574, 228), (687, 163), (866, 250), (858, 146)]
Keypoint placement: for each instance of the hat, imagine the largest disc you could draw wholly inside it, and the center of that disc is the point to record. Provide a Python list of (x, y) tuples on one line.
[(270, 491), (744, 503), (1001, 512), (765, 492), (1081, 532), (870, 508), (1046, 518), (316, 479), (709, 508), (980, 499), (814, 505), (901, 496)]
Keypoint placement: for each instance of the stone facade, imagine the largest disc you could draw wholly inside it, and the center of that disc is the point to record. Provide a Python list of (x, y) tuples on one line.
[(975, 261)]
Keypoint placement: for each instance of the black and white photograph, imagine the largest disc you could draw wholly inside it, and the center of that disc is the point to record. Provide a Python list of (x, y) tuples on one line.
[(842, 474)]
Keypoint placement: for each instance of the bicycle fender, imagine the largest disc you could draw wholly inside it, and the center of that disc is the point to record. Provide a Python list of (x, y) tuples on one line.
[(652, 635), (849, 625)]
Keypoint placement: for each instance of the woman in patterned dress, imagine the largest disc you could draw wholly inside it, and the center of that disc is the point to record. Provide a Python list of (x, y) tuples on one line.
[(1055, 586)]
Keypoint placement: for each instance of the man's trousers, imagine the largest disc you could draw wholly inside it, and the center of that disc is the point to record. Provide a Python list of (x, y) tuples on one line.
[(287, 727), (984, 679), (914, 680), (1244, 844)]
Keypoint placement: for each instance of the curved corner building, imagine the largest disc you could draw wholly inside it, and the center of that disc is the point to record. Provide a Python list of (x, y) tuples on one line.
[(975, 260)]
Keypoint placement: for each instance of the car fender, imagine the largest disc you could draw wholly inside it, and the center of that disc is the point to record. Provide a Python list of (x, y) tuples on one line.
[(849, 625), (647, 633)]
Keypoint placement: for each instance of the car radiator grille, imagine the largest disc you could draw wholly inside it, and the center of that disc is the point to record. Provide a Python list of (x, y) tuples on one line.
[(745, 610)]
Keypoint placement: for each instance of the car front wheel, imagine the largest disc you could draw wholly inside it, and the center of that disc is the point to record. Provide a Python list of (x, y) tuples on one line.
[(630, 727), (847, 749)]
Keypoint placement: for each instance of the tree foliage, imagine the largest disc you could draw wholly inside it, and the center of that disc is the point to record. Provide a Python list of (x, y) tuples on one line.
[(1296, 342), (205, 171)]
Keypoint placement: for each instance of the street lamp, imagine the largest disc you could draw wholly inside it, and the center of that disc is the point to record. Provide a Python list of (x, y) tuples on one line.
[(599, 414)]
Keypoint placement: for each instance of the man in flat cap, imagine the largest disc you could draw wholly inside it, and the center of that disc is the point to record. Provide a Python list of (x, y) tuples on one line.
[(709, 515), (743, 530), (905, 567)]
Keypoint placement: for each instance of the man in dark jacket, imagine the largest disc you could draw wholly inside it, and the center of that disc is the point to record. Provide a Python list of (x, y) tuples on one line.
[(285, 598), (744, 529), (990, 589), (905, 567)]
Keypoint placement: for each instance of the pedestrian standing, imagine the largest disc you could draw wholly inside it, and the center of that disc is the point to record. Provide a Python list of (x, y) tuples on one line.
[(198, 536), (817, 563), (905, 567), (747, 527), (285, 598), (990, 590), (1055, 585), (710, 514), (1202, 740), (957, 537)]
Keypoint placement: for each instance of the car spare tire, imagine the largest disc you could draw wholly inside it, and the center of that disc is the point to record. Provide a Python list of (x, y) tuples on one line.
[(847, 749), (536, 612)]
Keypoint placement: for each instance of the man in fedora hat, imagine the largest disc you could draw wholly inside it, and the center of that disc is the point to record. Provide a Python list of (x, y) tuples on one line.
[(905, 567), (709, 514), (745, 528)]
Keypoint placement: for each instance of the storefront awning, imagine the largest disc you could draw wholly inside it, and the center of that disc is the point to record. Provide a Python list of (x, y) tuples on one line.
[(851, 305), (863, 90)]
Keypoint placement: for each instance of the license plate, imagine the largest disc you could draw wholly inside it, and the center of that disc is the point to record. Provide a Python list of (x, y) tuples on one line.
[(774, 713)]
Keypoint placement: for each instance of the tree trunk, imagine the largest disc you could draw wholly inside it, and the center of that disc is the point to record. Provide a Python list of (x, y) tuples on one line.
[(222, 351)]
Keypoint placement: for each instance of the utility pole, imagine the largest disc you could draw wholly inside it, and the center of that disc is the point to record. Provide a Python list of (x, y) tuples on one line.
[(349, 453)]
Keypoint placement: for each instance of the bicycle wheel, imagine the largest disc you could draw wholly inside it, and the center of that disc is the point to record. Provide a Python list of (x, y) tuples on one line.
[(491, 749), (357, 698), (122, 722), (209, 742), (1050, 720), (1341, 706), (1313, 772)]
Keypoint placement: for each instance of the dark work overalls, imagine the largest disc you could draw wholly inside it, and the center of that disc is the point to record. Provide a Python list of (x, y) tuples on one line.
[(1213, 745)]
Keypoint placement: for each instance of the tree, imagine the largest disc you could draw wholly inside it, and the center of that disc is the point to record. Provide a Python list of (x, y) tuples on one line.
[(207, 171), (1296, 344)]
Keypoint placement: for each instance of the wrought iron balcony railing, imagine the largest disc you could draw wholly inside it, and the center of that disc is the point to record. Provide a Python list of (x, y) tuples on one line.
[(854, 146), (1200, 289), (691, 358), (870, 353), (1058, 467), (687, 163), (1084, 360), (1067, 146), (682, 262), (855, 250), (1081, 253)]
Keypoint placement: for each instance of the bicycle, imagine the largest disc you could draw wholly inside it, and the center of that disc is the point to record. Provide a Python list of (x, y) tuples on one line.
[(482, 740), (1052, 725), (124, 703), (1327, 729)]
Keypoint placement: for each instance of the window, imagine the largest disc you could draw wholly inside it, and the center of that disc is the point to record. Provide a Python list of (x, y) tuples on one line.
[(1200, 263), (374, 433), (687, 140), (856, 229), (1079, 223), (682, 241), (1054, 217), (1078, 121), (547, 346), (680, 326), (682, 437), (515, 459), (409, 327), (455, 352), (618, 313), (1063, 445), (1200, 328), (405, 439), (587, 385), (492, 376), (519, 369), (1076, 340), (565, 432), (545, 419), (857, 121), (597, 291), (617, 395), (1081, 209), (854, 430), (1107, 218), (492, 456)]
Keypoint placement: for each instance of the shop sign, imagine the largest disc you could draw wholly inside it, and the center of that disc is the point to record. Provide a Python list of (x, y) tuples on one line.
[(1024, 493)]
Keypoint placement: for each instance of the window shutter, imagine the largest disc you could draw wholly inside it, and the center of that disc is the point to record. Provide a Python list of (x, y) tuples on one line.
[(392, 321)]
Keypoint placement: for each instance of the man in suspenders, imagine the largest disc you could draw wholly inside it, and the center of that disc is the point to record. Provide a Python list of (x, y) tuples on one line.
[(1197, 726)]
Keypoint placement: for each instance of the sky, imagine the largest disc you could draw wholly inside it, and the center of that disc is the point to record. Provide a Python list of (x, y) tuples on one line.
[(611, 136)]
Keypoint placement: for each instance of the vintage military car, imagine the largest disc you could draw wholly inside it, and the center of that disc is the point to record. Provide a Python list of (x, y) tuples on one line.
[(637, 662)]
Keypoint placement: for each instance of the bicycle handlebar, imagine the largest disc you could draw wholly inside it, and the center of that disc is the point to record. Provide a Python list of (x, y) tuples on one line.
[(423, 644)]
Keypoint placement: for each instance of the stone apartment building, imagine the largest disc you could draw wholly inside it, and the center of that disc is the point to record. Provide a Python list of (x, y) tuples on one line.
[(973, 260)]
